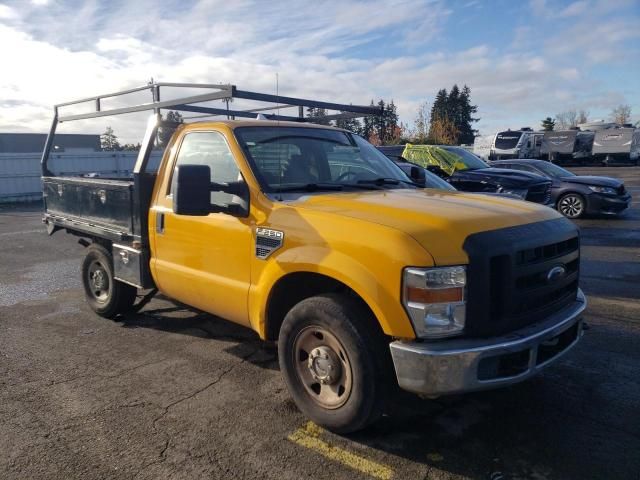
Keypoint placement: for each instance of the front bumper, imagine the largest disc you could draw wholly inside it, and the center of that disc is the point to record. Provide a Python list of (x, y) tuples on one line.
[(599, 203), (464, 365)]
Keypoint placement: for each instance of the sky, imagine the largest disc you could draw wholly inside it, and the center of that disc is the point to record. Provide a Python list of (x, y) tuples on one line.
[(523, 60)]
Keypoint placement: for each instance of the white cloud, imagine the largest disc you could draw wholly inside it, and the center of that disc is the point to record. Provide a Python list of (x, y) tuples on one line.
[(317, 52), (7, 13)]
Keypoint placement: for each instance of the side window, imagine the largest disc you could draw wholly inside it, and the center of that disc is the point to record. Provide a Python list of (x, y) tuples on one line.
[(517, 166), (211, 149), (523, 168)]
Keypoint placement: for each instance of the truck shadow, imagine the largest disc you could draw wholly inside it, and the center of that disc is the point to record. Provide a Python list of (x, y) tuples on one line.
[(184, 320)]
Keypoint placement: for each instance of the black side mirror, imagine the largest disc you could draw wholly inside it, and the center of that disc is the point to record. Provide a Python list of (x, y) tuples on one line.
[(417, 175), (191, 188), (438, 171)]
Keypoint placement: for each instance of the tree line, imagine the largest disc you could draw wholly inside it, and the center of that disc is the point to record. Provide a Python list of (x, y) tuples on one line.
[(109, 140), (620, 114), (449, 121)]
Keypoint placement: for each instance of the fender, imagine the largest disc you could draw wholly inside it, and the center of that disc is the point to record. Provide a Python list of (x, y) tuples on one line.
[(380, 294)]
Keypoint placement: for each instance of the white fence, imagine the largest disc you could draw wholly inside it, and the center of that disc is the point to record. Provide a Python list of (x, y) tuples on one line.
[(20, 172)]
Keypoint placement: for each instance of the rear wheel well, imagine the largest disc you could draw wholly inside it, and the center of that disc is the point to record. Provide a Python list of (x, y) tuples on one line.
[(295, 287)]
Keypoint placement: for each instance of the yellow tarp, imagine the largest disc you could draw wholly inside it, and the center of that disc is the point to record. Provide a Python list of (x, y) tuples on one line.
[(425, 155)]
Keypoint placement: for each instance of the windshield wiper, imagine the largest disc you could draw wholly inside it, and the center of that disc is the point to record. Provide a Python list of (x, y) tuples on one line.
[(379, 182), (309, 187)]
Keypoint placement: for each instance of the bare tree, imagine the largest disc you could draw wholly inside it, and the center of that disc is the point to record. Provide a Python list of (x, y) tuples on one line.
[(420, 131), (565, 120), (621, 114), (583, 116)]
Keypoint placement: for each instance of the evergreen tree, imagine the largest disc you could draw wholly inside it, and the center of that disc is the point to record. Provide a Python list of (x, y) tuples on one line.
[(165, 133), (392, 129), (453, 106), (439, 112), (548, 124), (439, 108), (453, 112), (351, 124), (130, 147), (465, 117), (317, 115), (380, 123), (109, 141), (368, 125)]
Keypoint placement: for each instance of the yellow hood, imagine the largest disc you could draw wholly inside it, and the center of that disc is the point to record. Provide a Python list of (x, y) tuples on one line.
[(439, 220)]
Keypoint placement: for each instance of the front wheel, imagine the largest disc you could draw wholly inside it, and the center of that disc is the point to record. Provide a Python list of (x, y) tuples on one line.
[(571, 205), (105, 295), (335, 365)]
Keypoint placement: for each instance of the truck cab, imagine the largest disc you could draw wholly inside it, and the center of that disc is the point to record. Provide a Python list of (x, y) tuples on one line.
[(311, 237)]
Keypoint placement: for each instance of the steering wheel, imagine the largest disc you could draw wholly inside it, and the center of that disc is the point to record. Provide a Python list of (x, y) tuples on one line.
[(345, 175)]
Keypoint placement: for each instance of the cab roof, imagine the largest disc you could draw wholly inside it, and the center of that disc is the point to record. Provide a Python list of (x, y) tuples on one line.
[(258, 123)]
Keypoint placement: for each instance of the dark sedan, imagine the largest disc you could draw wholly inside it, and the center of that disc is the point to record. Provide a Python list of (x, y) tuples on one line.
[(575, 195), (469, 173)]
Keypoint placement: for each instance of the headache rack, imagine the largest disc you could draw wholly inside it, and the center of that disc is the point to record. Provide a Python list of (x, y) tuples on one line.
[(116, 209)]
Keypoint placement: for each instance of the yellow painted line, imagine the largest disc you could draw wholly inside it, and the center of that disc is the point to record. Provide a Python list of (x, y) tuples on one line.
[(308, 436)]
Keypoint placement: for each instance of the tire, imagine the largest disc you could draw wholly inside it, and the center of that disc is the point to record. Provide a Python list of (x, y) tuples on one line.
[(333, 330), (572, 205), (105, 295)]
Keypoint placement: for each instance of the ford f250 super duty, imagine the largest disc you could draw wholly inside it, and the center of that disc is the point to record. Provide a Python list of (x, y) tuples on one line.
[(314, 239)]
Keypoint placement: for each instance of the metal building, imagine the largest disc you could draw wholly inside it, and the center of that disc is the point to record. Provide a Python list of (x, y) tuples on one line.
[(34, 142)]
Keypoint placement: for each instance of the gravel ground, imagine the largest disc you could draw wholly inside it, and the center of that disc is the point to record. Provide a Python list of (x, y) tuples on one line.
[(175, 393)]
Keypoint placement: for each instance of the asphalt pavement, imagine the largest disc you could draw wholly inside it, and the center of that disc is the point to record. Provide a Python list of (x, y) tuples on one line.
[(174, 393)]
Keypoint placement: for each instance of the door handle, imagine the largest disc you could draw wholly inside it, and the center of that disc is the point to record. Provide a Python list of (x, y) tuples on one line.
[(159, 222)]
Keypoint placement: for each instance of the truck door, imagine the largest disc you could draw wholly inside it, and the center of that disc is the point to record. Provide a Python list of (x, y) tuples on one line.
[(203, 261)]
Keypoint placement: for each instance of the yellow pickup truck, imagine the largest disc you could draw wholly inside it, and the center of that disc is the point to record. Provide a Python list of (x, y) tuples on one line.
[(314, 239)]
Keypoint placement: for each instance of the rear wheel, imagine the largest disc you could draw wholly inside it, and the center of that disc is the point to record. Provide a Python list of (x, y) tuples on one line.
[(105, 295), (571, 205), (335, 365)]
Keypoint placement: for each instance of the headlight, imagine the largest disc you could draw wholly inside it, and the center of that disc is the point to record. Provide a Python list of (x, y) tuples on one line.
[(435, 300), (518, 192), (608, 190)]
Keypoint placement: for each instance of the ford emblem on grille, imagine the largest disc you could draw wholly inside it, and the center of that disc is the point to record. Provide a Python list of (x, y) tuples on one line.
[(556, 273)]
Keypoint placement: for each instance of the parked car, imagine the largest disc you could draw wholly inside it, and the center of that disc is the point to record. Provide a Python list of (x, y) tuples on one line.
[(421, 176), (469, 173), (576, 195), (424, 178)]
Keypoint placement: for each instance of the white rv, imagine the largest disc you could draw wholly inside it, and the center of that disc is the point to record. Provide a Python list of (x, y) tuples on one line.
[(523, 143), (617, 145), (482, 145), (567, 146)]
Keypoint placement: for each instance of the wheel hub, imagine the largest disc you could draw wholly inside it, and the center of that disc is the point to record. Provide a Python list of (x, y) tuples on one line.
[(571, 206), (324, 365), (99, 279)]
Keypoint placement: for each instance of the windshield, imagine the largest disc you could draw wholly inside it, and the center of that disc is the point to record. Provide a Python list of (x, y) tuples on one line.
[(434, 181), (285, 158), (552, 170), (507, 140), (466, 160)]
